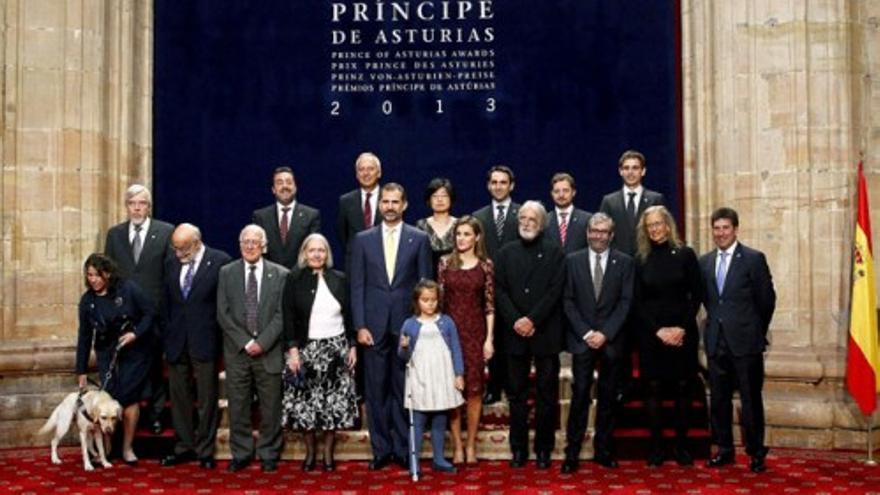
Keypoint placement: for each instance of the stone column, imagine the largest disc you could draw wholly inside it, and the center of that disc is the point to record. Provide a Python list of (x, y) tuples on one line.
[(776, 96), (77, 99)]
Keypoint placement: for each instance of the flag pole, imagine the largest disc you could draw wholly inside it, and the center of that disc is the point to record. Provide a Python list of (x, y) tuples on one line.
[(870, 460)]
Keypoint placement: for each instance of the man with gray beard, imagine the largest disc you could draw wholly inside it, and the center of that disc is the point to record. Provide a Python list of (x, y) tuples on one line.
[(529, 279)]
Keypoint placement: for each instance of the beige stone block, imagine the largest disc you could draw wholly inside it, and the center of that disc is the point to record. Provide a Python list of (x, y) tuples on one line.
[(34, 148), (41, 99), (33, 316), (799, 437), (43, 14), (36, 188), (802, 413), (855, 440), (72, 114), (42, 49), (38, 288), (40, 224)]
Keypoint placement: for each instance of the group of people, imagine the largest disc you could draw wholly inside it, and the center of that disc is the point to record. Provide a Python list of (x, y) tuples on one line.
[(419, 313)]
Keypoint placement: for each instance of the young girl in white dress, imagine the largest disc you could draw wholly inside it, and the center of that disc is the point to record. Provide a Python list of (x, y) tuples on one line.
[(435, 369)]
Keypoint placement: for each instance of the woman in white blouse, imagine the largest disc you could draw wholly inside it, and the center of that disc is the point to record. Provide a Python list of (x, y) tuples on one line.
[(319, 390)]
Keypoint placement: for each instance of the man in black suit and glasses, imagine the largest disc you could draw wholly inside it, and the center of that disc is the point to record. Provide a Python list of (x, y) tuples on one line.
[(287, 221), (740, 301), (499, 219), (597, 298)]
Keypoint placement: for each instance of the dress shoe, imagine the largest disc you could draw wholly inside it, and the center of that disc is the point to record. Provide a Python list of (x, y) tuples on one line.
[(656, 458), (519, 459), (236, 465), (379, 462), (308, 464), (156, 427), (207, 463), (542, 459), (606, 460), (401, 461), (683, 457), (491, 398), (269, 465), (444, 468), (175, 459), (569, 466), (721, 459), (757, 464), (329, 466)]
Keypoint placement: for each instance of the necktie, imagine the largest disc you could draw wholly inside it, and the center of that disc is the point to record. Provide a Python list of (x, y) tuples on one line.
[(251, 301), (284, 227), (721, 273), (631, 205), (188, 280), (390, 255), (563, 226), (499, 221), (598, 275), (368, 212), (137, 245)]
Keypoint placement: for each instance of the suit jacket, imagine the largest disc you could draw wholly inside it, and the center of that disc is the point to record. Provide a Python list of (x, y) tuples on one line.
[(191, 323), (148, 272), (350, 219), (299, 297), (486, 216), (743, 310), (608, 313), (614, 205), (304, 220), (529, 278), (376, 304), (576, 238), (231, 313)]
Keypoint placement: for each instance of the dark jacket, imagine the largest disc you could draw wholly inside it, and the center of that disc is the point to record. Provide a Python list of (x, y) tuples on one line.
[(576, 238), (149, 272), (487, 218), (614, 205), (299, 297), (304, 220)]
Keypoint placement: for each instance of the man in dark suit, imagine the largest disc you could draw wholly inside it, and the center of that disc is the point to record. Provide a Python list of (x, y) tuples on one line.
[(249, 311), (529, 278), (566, 225), (626, 205), (286, 222), (499, 219), (597, 300), (740, 301), (386, 263), (358, 209), (140, 247), (191, 337)]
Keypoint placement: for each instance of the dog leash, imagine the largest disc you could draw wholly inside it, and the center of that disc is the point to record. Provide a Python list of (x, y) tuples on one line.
[(80, 406)]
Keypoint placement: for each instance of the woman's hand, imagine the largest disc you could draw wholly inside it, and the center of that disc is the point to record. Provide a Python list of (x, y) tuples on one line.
[(126, 338), (293, 361), (82, 380), (488, 349), (351, 359), (459, 383)]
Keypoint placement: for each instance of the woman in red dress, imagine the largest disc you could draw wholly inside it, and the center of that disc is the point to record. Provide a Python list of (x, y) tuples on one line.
[(466, 277)]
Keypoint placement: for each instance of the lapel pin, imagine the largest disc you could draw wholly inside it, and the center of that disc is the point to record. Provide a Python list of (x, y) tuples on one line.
[(673, 251), (208, 263), (613, 261), (540, 255)]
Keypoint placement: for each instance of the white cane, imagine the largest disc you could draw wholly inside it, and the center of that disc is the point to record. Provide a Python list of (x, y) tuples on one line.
[(413, 454)]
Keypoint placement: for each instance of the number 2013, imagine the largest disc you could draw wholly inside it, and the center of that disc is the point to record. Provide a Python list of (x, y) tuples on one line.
[(387, 107)]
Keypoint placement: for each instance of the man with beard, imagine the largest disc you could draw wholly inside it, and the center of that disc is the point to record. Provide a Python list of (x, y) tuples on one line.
[(566, 225), (386, 263), (287, 222), (529, 278), (141, 247)]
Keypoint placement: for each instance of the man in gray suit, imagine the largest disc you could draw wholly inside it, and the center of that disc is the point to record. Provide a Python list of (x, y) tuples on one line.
[(141, 246), (249, 311), (286, 221)]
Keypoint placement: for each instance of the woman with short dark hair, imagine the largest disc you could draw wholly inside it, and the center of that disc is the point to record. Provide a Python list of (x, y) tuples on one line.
[(439, 196)]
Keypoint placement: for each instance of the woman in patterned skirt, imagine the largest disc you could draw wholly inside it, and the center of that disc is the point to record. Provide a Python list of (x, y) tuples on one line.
[(466, 278), (319, 391)]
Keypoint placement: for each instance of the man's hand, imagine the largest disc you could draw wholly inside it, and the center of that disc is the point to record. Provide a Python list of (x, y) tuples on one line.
[(365, 338), (524, 327), (253, 349), (595, 339)]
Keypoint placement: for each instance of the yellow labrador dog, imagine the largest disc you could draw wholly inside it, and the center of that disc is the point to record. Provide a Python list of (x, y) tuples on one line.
[(96, 415)]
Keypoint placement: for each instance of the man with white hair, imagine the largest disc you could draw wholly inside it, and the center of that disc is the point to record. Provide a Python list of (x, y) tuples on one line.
[(141, 246), (529, 279), (249, 311)]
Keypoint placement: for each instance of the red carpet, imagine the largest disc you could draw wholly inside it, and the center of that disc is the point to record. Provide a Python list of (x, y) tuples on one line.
[(790, 471)]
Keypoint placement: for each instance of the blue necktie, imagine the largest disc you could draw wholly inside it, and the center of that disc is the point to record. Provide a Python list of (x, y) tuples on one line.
[(187, 280), (721, 273)]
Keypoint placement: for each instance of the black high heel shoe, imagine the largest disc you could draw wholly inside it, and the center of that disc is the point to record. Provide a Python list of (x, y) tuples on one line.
[(308, 464), (329, 465)]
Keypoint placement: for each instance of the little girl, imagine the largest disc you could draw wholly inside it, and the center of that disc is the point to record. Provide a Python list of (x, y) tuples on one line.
[(435, 370)]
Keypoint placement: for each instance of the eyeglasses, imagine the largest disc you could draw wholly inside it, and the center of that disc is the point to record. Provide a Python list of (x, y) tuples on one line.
[(250, 243)]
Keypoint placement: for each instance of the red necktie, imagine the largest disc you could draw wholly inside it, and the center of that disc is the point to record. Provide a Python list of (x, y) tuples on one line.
[(284, 226), (563, 226), (368, 212)]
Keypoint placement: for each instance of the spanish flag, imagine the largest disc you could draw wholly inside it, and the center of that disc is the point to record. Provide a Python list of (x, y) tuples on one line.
[(862, 361)]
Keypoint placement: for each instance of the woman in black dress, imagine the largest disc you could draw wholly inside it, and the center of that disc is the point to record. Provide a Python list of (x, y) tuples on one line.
[(668, 295), (319, 389), (439, 196), (116, 315)]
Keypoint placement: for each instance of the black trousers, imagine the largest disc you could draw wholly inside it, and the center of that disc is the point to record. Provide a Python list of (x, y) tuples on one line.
[(610, 359), (745, 373), (181, 378), (546, 400)]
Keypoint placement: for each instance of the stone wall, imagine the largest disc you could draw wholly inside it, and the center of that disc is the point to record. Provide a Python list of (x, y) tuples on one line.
[(781, 100)]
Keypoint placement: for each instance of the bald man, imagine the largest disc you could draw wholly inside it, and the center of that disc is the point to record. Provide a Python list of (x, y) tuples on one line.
[(191, 340)]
